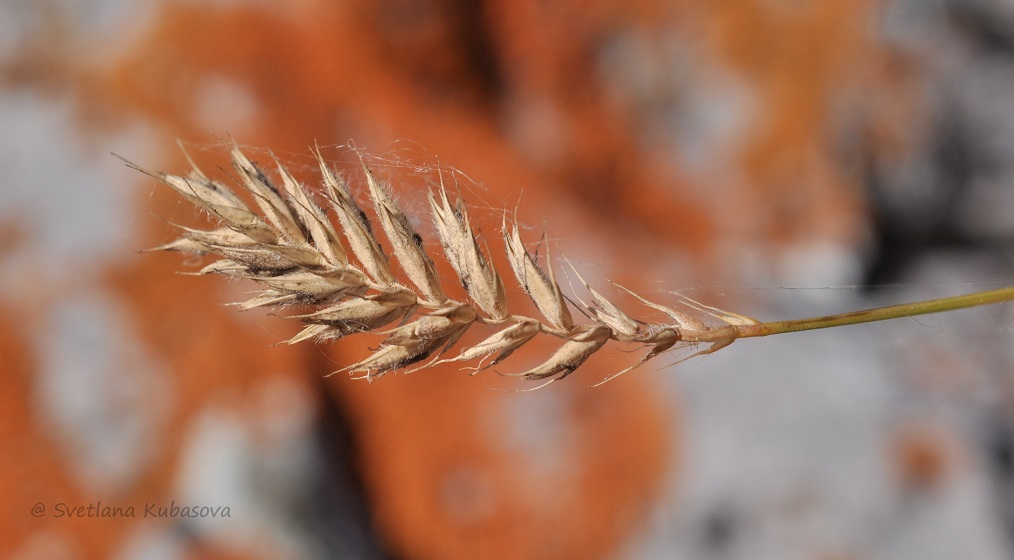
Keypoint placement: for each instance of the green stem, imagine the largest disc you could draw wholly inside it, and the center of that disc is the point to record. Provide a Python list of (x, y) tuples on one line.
[(866, 316)]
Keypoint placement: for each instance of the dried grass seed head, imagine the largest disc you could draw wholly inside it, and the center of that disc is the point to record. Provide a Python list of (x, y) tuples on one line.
[(294, 250)]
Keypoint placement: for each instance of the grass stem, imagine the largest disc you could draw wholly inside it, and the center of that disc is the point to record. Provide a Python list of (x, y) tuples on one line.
[(878, 314)]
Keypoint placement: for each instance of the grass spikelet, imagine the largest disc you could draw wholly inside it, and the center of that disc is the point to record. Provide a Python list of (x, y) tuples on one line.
[(408, 245), (542, 288), (356, 227), (477, 275), (268, 198), (503, 343), (322, 233), (294, 251), (582, 342)]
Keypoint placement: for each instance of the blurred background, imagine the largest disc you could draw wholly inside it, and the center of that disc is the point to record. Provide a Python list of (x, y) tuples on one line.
[(764, 156)]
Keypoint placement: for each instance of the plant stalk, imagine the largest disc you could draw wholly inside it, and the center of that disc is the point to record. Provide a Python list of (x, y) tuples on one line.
[(865, 316), (878, 314)]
